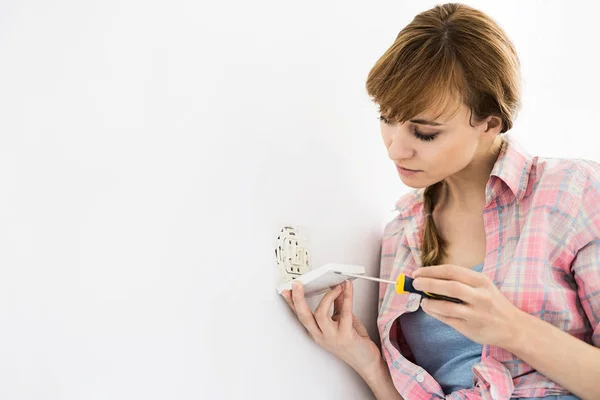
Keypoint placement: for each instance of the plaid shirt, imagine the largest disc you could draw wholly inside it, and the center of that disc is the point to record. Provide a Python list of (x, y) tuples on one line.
[(542, 228)]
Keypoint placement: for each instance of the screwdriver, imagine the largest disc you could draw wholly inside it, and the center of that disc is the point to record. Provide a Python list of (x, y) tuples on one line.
[(404, 284)]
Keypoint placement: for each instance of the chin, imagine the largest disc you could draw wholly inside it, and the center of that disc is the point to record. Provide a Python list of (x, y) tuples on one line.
[(413, 186), (414, 183), (418, 182)]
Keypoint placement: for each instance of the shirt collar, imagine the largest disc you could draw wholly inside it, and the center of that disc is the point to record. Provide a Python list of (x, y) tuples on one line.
[(510, 172)]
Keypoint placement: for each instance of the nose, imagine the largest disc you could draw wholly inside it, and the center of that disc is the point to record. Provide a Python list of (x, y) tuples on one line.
[(400, 147)]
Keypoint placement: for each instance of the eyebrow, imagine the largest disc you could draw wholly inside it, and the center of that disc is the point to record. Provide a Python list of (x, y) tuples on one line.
[(424, 122)]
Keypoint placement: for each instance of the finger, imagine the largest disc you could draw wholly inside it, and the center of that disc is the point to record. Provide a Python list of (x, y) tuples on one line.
[(303, 312), (447, 288), (445, 308), (337, 304), (287, 295), (323, 309), (452, 273), (346, 316)]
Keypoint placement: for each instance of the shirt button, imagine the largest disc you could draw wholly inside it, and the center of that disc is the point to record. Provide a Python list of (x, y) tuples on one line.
[(420, 378)]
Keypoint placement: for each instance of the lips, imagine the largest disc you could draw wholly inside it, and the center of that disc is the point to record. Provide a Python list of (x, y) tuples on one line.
[(407, 173), (407, 169)]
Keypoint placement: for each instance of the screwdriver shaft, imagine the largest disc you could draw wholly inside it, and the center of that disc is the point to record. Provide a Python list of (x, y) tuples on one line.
[(366, 277)]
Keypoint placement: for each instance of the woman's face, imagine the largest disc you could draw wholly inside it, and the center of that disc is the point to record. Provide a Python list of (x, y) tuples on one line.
[(426, 152)]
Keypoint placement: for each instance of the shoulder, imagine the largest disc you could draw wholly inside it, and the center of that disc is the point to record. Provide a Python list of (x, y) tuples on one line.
[(407, 206), (570, 189), (572, 177), (550, 167), (394, 243)]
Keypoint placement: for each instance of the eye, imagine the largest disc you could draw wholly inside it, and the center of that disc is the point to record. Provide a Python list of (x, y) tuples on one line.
[(423, 137)]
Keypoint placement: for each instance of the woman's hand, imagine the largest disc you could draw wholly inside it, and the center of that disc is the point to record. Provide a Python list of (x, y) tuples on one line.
[(342, 334), (486, 317)]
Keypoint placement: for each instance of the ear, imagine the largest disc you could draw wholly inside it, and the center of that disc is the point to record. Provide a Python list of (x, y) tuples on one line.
[(494, 124)]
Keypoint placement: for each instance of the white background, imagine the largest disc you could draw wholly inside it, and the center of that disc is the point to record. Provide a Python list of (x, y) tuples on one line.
[(151, 151)]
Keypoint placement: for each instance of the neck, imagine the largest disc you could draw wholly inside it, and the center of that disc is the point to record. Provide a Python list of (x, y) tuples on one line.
[(465, 190)]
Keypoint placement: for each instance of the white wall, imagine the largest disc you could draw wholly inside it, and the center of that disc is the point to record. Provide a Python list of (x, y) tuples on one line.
[(150, 152)]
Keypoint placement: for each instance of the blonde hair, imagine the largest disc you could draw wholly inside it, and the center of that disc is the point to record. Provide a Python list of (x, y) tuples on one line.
[(449, 54)]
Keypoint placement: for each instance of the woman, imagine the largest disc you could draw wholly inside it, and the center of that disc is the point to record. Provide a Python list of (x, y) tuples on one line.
[(515, 237)]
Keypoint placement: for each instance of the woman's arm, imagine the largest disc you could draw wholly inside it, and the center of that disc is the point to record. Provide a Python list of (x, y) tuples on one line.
[(487, 317), (379, 380), (343, 335), (563, 358)]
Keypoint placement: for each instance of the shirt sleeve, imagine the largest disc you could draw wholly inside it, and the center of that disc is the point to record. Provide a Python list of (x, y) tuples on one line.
[(586, 264), (389, 247), (389, 252), (586, 269)]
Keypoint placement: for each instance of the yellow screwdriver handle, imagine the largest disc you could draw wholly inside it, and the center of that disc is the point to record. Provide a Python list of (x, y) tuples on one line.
[(400, 284)]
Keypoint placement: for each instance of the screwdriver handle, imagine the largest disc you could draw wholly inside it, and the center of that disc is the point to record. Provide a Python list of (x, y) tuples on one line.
[(404, 284)]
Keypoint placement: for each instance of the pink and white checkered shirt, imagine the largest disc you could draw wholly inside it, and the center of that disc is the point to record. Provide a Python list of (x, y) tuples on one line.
[(542, 227)]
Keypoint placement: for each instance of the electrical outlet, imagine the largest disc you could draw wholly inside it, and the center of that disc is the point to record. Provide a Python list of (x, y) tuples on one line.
[(291, 254)]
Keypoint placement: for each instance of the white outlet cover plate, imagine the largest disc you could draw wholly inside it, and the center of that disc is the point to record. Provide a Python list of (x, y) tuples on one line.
[(322, 279)]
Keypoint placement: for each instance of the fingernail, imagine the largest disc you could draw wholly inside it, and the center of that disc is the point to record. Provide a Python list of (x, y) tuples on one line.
[(417, 284), (295, 285)]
